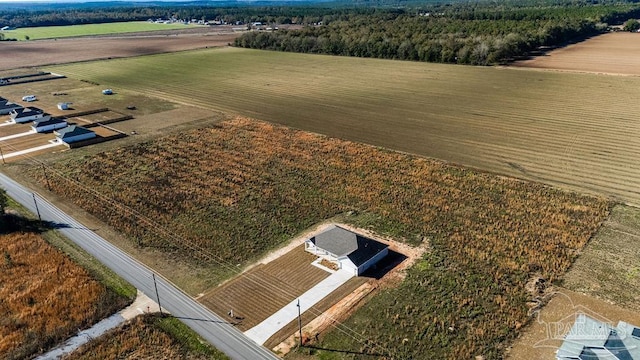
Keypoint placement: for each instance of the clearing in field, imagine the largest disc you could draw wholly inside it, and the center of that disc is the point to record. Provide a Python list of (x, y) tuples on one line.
[(45, 297), (51, 32), (609, 266), (611, 53), (576, 131), (545, 334), (226, 194)]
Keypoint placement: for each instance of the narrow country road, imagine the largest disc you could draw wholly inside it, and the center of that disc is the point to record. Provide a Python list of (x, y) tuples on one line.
[(212, 328)]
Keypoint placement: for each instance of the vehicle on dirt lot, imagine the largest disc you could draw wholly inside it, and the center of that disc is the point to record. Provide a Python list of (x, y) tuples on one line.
[(29, 98)]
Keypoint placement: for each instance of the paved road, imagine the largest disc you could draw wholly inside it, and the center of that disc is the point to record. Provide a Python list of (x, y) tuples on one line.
[(212, 328)]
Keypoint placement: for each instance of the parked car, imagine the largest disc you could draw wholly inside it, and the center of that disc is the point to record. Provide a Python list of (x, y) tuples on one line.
[(107, 92), (29, 98)]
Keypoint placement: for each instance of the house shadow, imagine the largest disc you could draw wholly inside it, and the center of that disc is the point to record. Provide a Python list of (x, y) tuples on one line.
[(11, 223), (344, 351), (384, 266)]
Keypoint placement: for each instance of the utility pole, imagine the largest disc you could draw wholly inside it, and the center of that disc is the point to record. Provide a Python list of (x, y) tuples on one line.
[(45, 177), (300, 323), (36, 203), (157, 296)]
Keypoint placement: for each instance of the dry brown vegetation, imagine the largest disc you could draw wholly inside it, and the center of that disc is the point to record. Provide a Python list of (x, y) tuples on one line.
[(44, 296), (145, 337), (233, 191)]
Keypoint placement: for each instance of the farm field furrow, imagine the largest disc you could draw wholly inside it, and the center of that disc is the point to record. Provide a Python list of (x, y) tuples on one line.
[(420, 108), (238, 188)]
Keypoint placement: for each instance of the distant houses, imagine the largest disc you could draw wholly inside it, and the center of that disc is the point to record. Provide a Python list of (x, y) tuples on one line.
[(7, 106), (27, 114), (73, 133), (50, 124)]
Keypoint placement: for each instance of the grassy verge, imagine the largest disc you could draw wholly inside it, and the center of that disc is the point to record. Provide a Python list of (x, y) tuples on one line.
[(149, 337)]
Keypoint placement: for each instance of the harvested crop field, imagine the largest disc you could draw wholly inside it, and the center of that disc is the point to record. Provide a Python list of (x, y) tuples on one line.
[(576, 131), (226, 194), (44, 297), (611, 53), (61, 51)]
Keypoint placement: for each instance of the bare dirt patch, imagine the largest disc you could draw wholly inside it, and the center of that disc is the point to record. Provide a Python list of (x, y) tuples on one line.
[(544, 335), (283, 279), (61, 51), (611, 53)]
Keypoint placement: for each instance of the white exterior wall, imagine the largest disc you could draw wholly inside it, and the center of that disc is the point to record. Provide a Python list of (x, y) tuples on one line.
[(25, 119), (345, 263), (50, 127), (78, 138)]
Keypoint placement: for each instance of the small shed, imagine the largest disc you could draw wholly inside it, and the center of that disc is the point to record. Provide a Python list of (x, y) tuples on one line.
[(27, 114), (64, 105), (348, 250), (50, 124), (73, 133)]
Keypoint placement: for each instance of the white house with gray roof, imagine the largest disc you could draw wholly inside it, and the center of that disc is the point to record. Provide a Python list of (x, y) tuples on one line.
[(347, 249), (7, 106), (590, 339), (73, 133), (24, 115)]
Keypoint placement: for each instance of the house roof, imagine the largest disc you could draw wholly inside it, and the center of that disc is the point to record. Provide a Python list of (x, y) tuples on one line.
[(341, 242), (71, 131), (28, 111), (595, 340), (6, 104), (48, 121)]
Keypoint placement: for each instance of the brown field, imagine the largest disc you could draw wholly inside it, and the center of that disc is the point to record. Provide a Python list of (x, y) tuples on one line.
[(232, 191), (544, 335), (62, 51), (145, 338), (44, 297), (279, 282), (611, 53)]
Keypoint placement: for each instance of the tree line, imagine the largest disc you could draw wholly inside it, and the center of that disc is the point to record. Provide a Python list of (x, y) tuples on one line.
[(479, 33)]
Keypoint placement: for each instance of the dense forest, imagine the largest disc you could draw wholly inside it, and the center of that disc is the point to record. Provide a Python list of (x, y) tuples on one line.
[(479, 33)]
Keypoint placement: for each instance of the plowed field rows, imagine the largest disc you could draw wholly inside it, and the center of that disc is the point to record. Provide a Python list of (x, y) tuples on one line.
[(577, 131), (267, 288)]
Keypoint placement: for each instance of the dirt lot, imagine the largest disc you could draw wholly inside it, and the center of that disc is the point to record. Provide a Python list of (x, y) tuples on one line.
[(612, 53), (545, 333), (285, 278), (46, 52)]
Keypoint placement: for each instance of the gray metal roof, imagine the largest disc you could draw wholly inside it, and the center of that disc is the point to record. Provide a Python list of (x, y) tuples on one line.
[(590, 339), (342, 242), (70, 131)]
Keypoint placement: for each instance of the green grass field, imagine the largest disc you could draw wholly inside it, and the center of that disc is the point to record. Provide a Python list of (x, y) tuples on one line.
[(53, 32), (577, 131)]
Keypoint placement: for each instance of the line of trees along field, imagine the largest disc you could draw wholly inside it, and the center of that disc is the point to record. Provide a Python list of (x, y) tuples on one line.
[(465, 34)]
